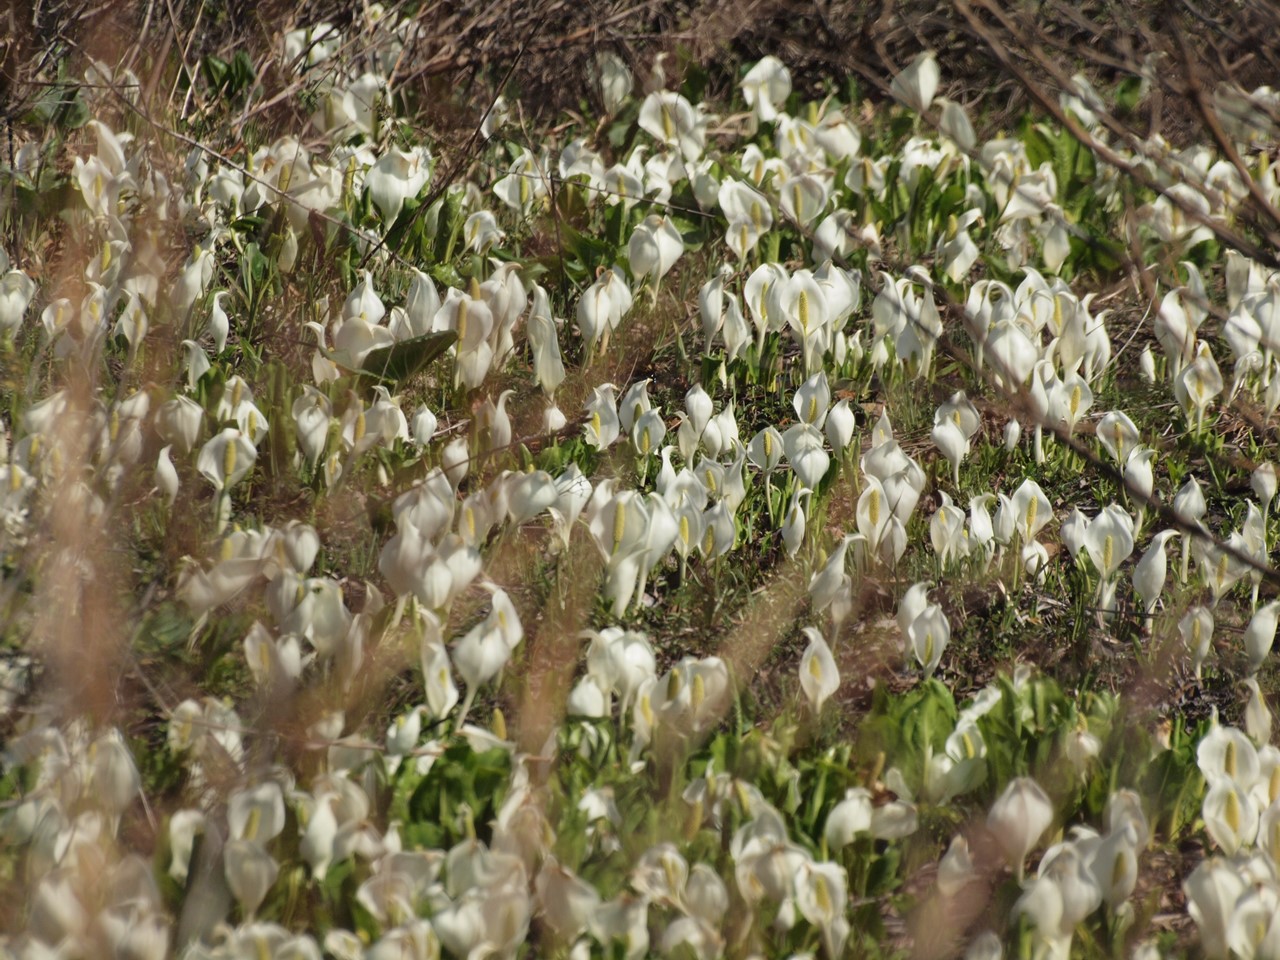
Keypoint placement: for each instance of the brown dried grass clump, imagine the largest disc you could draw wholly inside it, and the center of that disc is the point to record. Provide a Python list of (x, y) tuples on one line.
[(544, 48)]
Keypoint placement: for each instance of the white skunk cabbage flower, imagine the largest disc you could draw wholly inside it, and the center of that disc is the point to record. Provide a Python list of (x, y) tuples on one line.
[(226, 459), (793, 525), (1260, 635), (1118, 435), (1257, 716), (956, 251), (654, 248), (669, 118), (603, 425), (602, 307), (956, 125), (250, 872), (849, 818), (1030, 511), (821, 891), (525, 183), (481, 231), (812, 400), (397, 176), (319, 826), (952, 443), (1018, 819), (819, 678), (183, 827), (614, 79), (872, 513), (1151, 571), (1196, 630), (765, 450), (1212, 891), (766, 88), (803, 198), (928, 635), (839, 426), (567, 901), (806, 453), (166, 476), (1264, 484), (1230, 814), (956, 869), (257, 813), (748, 215), (1109, 540), (1226, 753), (915, 86), (1198, 383), (17, 290)]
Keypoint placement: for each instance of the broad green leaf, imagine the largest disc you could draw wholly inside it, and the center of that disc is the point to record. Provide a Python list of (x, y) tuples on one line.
[(400, 361)]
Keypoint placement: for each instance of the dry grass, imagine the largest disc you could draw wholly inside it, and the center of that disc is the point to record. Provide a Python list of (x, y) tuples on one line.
[(87, 599), (541, 51)]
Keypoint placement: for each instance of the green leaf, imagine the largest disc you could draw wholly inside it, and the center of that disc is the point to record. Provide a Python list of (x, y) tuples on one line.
[(1128, 94), (216, 71), (448, 274), (248, 224), (254, 268), (571, 201), (901, 126), (1039, 145), (592, 251), (1206, 253), (459, 776), (242, 74), (61, 105), (618, 133), (1064, 161), (882, 877), (924, 203), (399, 236), (400, 361)]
